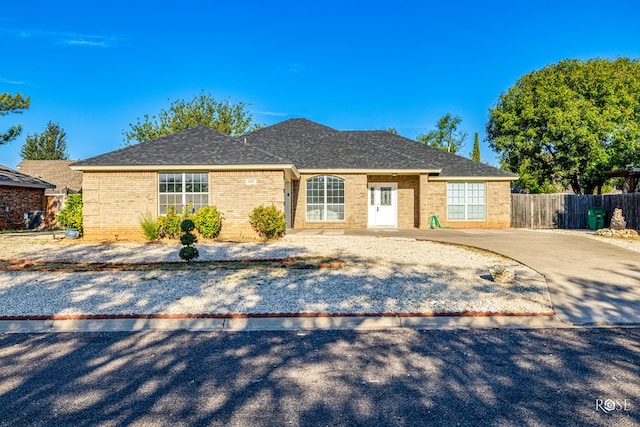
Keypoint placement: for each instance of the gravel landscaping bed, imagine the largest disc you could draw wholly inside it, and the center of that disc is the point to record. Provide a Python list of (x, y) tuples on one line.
[(379, 275)]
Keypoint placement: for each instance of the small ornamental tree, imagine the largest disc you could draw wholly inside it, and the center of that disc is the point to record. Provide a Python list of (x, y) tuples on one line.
[(188, 239), (269, 222)]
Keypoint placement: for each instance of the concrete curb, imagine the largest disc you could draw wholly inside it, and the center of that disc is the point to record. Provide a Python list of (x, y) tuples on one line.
[(271, 323)]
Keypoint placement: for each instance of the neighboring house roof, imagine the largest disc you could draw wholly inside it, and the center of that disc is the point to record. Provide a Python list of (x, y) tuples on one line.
[(299, 143), (13, 178), (56, 172)]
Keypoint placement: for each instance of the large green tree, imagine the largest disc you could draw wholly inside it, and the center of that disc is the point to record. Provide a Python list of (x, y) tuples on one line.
[(446, 136), (12, 104), (227, 117), (49, 145), (569, 123)]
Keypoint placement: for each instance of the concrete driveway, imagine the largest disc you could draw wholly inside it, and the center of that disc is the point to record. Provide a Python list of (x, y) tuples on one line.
[(590, 282)]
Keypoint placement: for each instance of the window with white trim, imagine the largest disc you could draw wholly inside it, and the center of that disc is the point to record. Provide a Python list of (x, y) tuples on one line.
[(325, 198), (179, 189), (466, 200)]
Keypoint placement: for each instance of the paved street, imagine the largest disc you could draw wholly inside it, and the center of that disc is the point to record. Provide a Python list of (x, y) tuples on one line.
[(338, 378)]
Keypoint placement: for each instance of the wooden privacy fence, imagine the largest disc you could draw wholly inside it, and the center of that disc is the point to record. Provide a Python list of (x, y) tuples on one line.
[(570, 211)]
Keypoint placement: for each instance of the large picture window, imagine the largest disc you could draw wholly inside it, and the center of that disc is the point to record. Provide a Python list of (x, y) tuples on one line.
[(325, 199), (466, 200), (180, 189)]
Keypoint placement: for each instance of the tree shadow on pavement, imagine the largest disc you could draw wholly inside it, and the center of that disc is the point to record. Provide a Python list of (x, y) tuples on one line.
[(341, 378)]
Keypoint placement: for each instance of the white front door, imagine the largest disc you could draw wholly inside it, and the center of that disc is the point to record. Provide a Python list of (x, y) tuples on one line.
[(383, 204)]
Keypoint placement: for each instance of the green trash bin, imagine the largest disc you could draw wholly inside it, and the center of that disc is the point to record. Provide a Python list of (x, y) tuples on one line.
[(596, 218)]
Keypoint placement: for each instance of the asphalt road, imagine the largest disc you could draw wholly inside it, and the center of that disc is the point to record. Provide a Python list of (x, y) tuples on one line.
[(333, 378)]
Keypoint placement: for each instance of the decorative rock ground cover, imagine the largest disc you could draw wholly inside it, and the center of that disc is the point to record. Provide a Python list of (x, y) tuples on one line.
[(378, 275)]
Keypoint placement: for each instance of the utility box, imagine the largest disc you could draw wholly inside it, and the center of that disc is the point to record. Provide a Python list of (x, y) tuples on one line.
[(33, 219)]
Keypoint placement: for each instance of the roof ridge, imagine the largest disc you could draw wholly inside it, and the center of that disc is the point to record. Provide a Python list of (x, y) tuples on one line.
[(289, 121), (393, 149)]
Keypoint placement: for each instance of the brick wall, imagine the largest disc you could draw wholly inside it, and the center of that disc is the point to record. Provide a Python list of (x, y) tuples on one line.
[(498, 205), (19, 200), (356, 201), (114, 201), (237, 193)]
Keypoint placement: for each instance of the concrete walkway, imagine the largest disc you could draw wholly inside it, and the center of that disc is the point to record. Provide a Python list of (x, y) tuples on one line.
[(590, 282)]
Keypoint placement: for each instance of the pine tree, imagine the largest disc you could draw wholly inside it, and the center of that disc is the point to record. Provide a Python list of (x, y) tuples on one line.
[(475, 154), (12, 104), (49, 145)]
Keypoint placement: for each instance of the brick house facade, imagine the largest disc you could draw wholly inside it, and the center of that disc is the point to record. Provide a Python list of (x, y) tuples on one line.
[(320, 177), (19, 194)]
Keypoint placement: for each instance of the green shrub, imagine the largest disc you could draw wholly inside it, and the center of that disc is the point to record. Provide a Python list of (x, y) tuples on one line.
[(169, 225), (71, 215), (269, 222), (208, 221), (188, 239), (150, 227)]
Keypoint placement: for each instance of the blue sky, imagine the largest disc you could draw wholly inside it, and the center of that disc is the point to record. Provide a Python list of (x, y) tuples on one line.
[(95, 67)]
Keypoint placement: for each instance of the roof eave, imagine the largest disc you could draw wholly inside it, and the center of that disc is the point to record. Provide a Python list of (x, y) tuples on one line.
[(473, 178), (369, 171), (26, 185), (290, 169)]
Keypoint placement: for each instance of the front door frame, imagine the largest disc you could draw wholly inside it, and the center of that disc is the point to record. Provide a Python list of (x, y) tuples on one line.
[(379, 214), (287, 203)]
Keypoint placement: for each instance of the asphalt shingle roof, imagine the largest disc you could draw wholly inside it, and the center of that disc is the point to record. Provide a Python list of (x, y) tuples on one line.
[(306, 144), (451, 164), (13, 178), (57, 172), (310, 145), (195, 146)]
